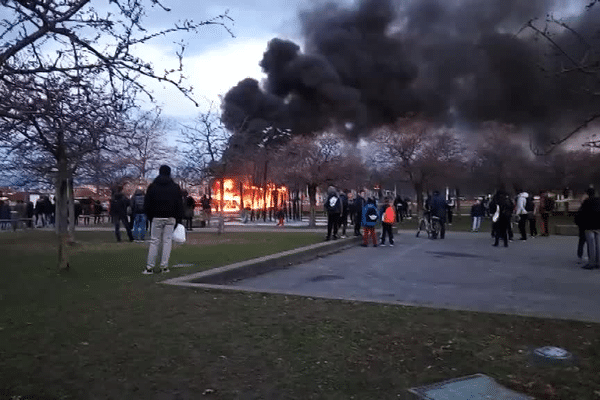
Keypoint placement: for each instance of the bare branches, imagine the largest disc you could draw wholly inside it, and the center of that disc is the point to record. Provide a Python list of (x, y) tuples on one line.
[(205, 143), (47, 36)]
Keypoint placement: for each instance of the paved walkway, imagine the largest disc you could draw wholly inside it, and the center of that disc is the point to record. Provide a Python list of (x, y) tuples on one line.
[(538, 277)]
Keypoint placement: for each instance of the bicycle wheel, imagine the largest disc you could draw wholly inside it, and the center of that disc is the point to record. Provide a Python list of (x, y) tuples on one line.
[(422, 227), (436, 228)]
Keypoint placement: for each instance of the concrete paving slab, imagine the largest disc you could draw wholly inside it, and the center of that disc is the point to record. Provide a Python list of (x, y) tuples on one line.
[(538, 277)]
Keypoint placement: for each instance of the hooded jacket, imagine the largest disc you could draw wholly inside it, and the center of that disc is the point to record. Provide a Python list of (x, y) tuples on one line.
[(333, 204), (521, 201), (588, 216), (163, 199)]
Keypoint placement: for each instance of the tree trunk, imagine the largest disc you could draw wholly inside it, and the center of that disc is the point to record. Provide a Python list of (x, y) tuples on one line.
[(419, 190), (457, 203), (312, 197), (221, 224), (71, 208), (265, 192), (61, 214)]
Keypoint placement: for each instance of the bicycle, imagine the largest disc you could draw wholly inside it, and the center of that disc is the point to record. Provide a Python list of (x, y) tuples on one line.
[(430, 224)]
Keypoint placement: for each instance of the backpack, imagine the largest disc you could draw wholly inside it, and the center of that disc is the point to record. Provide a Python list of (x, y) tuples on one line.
[(529, 206), (388, 216), (332, 204), (371, 214)]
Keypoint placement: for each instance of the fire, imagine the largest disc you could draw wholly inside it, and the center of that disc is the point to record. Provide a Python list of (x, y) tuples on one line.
[(239, 190)]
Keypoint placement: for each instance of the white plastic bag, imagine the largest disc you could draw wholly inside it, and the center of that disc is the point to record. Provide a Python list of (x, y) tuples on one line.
[(496, 214), (179, 234)]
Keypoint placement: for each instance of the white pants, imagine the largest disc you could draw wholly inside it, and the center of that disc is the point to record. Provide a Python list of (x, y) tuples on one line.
[(593, 244), (161, 233), (476, 223)]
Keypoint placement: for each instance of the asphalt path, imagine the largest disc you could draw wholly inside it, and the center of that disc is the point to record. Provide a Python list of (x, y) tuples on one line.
[(539, 277)]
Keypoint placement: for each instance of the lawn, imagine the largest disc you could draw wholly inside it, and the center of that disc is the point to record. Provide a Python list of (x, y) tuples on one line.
[(105, 331)]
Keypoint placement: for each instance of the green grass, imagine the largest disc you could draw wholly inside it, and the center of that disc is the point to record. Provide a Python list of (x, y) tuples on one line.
[(104, 331)]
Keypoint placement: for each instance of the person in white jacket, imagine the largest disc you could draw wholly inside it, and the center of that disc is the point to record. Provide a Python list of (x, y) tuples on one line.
[(522, 214)]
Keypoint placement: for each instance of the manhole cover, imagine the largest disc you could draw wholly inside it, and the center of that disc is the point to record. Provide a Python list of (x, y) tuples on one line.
[(473, 387), (553, 352), (552, 355), (322, 278)]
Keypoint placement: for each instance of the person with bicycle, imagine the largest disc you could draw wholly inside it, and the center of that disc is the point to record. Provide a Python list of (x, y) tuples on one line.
[(437, 207)]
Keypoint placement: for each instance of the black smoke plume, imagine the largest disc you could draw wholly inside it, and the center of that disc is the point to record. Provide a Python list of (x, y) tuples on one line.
[(455, 62)]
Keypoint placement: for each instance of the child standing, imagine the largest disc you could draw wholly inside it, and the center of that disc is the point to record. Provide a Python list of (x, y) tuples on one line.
[(370, 216), (388, 217)]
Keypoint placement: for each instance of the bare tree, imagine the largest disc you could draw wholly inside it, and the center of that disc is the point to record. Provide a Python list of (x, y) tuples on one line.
[(500, 162), (146, 146), (317, 161), (66, 69), (205, 144), (418, 153), (574, 64), (70, 36), (63, 126)]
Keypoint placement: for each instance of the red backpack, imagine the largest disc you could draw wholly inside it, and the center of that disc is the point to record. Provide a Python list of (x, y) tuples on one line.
[(389, 217)]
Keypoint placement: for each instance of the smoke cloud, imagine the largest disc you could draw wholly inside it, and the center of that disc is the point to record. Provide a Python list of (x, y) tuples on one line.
[(463, 61)]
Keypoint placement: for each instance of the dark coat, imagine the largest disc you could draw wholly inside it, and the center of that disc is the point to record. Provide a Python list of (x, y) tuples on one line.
[(118, 205), (164, 199), (588, 216), (333, 206), (358, 205), (477, 210), (437, 206)]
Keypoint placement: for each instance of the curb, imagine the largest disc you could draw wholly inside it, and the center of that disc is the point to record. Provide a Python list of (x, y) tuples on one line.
[(258, 266)]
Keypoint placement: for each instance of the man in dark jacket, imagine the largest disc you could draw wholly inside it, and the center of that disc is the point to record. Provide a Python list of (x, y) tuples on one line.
[(358, 205), (588, 218), (139, 218), (501, 226), (333, 207), (164, 209), (437, 207), (344, 216), (118, 211)]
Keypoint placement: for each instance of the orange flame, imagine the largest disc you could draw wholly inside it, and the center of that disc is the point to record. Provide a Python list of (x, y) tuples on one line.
[(252, 196)]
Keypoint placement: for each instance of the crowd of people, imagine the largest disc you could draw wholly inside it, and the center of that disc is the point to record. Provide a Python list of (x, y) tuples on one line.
[(524, 209), (363, 213)]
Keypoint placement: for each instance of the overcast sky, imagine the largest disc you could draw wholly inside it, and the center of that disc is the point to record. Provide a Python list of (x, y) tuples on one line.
[(215, 61)]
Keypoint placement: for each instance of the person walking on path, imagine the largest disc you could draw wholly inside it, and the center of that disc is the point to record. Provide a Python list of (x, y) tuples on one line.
[(343, 224), (388, 217), (205, 203), (164, 210), (438, 207), (581, 230), (532, 210), (370, 216), (589, 218), (188, 209), (118, 211), (139, 216), (546, 207), (522, 213), (502, 202), (358, 205), (333, 208), (477, 213)]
